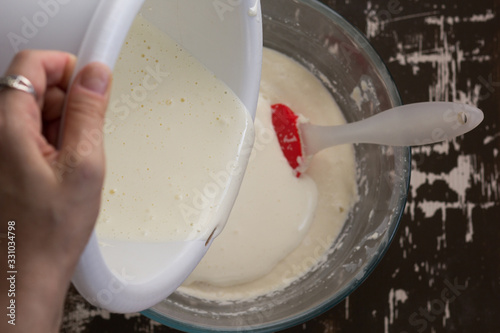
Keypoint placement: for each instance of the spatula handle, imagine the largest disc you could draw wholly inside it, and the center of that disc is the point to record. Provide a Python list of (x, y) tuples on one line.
[(407, 125)]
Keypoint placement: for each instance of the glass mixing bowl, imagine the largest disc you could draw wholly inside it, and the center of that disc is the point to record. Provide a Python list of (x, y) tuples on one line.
[(343, 60)]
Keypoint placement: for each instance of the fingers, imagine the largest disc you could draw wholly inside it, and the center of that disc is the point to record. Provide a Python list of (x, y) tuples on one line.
[(19, 112), (81, 152), (51, 114), (44, 69), (81, 157)]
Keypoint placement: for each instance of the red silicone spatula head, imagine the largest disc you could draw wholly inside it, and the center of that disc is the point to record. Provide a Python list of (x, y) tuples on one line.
[(285, 123)]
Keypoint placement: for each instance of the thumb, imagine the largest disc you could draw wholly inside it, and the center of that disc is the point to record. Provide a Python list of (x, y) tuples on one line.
[(81, 154)]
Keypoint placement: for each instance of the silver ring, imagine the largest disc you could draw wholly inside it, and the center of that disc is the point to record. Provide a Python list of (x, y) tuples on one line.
[(17, 82)]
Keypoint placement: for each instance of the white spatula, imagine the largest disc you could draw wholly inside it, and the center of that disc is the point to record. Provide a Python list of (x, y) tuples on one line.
[(407, 125)]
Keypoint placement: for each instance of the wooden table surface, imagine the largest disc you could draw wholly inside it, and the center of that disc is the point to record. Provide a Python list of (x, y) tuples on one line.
[(449, 236)]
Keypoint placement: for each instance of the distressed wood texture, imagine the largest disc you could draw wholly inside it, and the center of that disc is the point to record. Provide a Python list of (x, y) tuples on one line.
[(442, 271)]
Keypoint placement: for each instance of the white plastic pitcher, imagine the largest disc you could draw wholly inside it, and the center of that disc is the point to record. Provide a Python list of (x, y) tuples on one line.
[(224, 35)]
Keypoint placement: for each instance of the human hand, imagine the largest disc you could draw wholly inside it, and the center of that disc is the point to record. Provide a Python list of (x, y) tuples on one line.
[(52, 192)]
